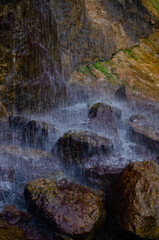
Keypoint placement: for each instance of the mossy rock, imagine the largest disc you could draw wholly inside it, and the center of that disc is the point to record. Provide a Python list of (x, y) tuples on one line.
[(72, 209), (134, 199)]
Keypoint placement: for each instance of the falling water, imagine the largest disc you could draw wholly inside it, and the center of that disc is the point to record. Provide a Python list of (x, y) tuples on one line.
[(44, 106)]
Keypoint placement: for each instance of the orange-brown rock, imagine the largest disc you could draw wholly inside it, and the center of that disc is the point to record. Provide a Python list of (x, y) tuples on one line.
[(90, 30), (135, 68), (134, 199)]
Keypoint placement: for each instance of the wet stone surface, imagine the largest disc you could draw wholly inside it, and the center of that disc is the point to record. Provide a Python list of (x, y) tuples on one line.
[(74, 146), (72, 209), (20, 165), (34, 133), (144, 131), (134, 199)]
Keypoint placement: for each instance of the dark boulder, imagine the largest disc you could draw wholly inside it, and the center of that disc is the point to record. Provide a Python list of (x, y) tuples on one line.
[(104, 118), (134, 199), (104, 112), (74, 146), (120, 94), (101, 171), (34, 133)]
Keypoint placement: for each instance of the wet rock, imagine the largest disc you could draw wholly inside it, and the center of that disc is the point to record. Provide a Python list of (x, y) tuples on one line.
[(34, 133), (134, 199), (120, 94), (31, 65), (73, 146), (6, 173), (25, 222), (102, 117), (144, 131), (128, 68), (8, 136), (57, 176), (19, 165), (100, 172), (28, 159), (72, 209), (3, 112), (89, 19), (13, 216), (39, 133), (7, 177), (104, 113), (10, 232), (18, 122)]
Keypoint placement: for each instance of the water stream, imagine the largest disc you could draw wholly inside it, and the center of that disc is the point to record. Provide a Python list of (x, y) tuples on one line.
[(19, 166)]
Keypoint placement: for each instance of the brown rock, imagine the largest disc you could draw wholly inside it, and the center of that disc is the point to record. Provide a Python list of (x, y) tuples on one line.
[(136, 69), (117, 25), (34, 133), (74, 146), (30, 64), (134, 199), (75, 210), (104, 118)]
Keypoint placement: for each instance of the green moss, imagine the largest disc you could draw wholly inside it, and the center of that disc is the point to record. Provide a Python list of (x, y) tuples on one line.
[(151, 43), (101, 66), (130, 53), (155, 4), (86, 70)]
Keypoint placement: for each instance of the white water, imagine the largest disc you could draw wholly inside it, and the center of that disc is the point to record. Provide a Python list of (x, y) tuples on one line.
[(74, 117)]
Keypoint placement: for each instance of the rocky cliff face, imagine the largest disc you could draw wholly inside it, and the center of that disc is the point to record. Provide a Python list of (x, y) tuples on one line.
[(90, 30), (30, 61), (44, 41), (135, 67)]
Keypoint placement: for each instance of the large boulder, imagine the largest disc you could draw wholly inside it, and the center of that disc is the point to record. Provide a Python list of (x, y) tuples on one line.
[(144, 131), (74, 146), (72, 209), (134, 199)]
